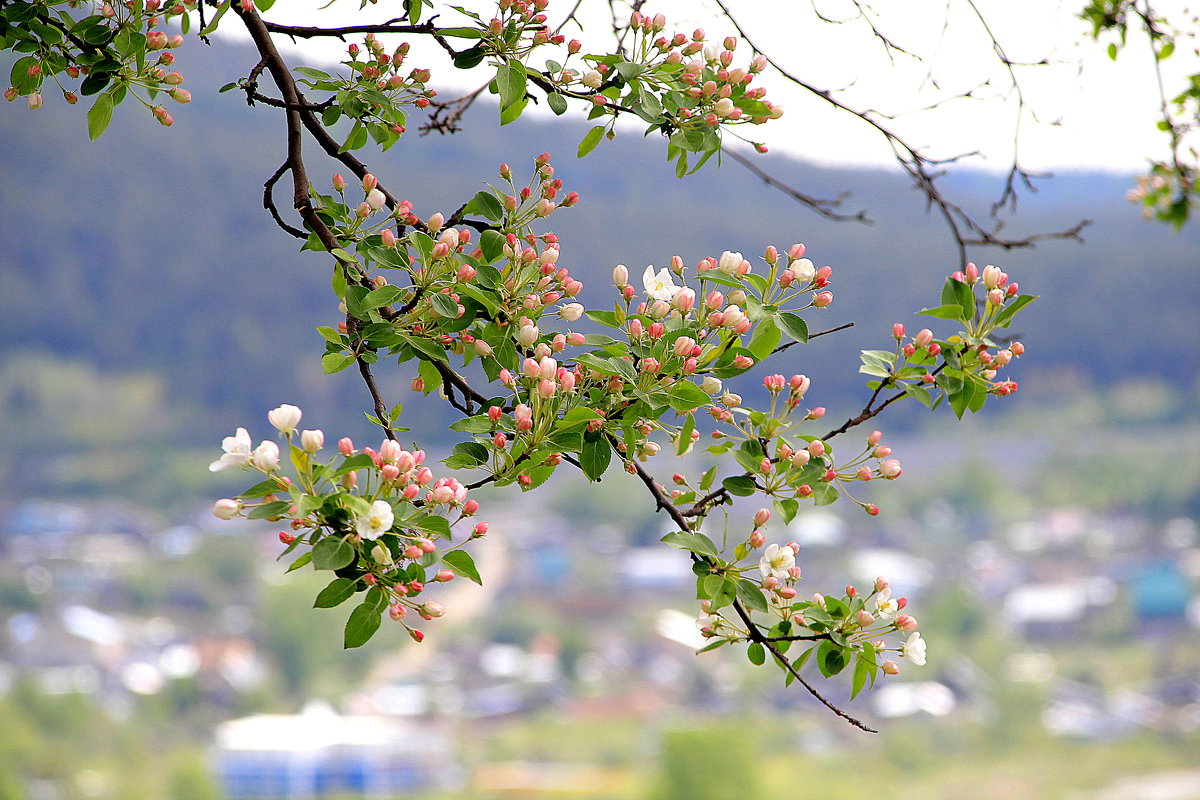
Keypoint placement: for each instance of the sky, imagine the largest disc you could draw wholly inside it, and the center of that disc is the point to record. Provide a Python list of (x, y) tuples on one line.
[(1081, 109)]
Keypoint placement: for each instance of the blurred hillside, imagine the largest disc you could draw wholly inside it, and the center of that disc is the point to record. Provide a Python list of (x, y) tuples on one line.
[(144, 264)]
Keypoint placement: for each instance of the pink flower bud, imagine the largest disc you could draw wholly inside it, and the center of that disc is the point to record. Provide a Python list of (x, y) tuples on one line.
[(816, 448), (923, 337), (904, 622), (822, 299), (479, 530), (890, 469), (761, 517), (890, 668), (864, 619), (757, 539), (499, 441)]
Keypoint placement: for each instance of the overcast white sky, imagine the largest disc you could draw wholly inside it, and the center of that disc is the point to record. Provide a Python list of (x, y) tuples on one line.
[(1084, 111)]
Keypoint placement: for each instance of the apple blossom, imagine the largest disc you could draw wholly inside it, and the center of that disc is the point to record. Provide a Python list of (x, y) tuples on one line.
[(237, 451), (376, 522), (285, 418), (914, 649), (776, 561), (265, 456), (659, 286)]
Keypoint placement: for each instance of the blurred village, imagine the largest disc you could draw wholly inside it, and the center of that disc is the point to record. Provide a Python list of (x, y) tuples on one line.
[(572, 671)]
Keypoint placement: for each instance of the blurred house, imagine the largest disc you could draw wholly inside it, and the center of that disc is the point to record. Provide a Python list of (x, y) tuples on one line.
[(320, 753)]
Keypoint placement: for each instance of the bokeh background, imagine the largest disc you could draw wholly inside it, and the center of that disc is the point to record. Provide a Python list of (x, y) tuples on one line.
[(147, 308)]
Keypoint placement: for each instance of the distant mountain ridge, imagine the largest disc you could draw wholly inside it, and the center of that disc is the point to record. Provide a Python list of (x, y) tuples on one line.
[(149, 250)]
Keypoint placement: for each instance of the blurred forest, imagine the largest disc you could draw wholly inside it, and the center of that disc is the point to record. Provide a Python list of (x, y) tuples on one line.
[(165, 307)]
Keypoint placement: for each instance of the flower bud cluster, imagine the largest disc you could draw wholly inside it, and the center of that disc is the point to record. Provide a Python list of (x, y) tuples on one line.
[(71, 59), (377, 517)]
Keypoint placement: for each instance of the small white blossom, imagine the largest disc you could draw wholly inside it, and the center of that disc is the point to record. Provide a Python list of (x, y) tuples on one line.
[(377, 521), (659, 286), (804, 269), (237, 451), (914, 649), (285, 418), (265, 456), (885, 607), (776, 562)]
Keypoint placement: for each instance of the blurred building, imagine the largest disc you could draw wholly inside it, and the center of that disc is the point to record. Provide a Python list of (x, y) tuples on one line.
[(320, 753)]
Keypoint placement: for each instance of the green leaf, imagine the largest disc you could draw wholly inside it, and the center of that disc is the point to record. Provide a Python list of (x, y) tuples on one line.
[(364, 621), (383, 296), (590, 141), (337, 592), (830, 659), (332, 552), (335, 362), (269, 510), (793, 325), (685, 435), (510, 83), (686, 396), (695, 542), (764, 340), (99, 115), (487, 204), (751, 596), (756, 654), (461, 562), (950, 311), (557, 103), (492, 244), (596, 455), (443, 305), (954, 291), (861, 671), (739, 485)]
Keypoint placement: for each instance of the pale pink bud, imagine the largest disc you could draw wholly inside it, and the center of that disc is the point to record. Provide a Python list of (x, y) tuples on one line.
[(996, 297), (890, 668), (991, 276), (757, 539), (761, 517), (226, 508), (923, 337), (571, 312), (864, 619), (816, 448), (822, 299), (480, 529), (620, 276), (481, 348), (905, 623)]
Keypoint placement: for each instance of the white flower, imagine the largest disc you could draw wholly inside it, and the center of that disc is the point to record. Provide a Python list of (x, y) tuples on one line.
[(285, 418), (237, 451), (776, 561), (659, 286), (729, 262), (711, 386), (804, 269), (312, 441), (265, 456), (885, 606), (914, 649), (378, 520)]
